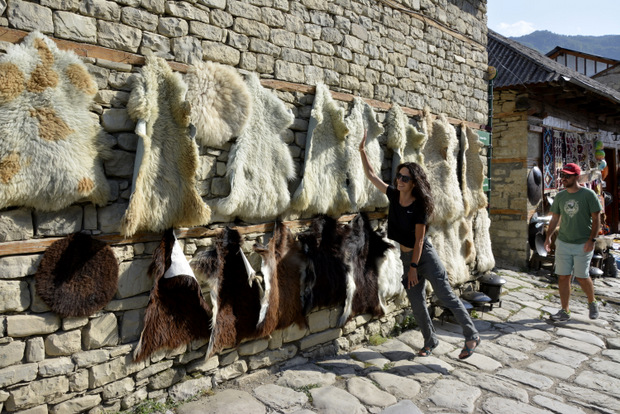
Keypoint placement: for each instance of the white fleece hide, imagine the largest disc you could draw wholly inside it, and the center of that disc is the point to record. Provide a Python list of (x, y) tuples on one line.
[(221, 103), (485, 260), (260, 164), (447, 241), (440, 155), (390, 276), (165, 193), (348, 302), (474, 197), (51, 145), (323, 187), (362, 193), (404, 139)]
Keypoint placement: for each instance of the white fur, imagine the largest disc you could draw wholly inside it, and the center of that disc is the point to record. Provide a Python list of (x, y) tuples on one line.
[(165, 192), (220, 102), (390, 276), (348, 303), (447, 241), (260, 163), (362, 193), (485, 260), (474, 197), (323, 186), (404, 139), (40, 168)]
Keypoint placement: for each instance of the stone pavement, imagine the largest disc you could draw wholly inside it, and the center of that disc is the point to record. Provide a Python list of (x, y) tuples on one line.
[(525, 364)]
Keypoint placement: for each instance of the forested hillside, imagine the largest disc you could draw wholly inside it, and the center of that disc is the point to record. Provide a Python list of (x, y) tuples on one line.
[(544, 41)]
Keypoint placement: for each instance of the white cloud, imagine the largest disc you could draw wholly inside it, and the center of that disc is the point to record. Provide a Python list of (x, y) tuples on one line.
[(517, 29)]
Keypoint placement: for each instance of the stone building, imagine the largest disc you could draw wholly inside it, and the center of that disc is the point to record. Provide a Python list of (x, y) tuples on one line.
[(416, 53), (532, 94)]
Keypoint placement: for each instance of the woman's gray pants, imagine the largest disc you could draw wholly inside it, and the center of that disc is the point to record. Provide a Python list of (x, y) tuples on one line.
[(430, 268)]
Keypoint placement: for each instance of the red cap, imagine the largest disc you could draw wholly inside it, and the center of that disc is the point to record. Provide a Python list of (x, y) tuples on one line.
[(571, 169)]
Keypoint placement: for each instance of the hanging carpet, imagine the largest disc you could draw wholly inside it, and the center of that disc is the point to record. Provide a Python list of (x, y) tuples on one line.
[(548, 159), (51, 145)]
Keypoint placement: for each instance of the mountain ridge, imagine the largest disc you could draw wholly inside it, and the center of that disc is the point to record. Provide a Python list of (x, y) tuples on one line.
[(544, 41)]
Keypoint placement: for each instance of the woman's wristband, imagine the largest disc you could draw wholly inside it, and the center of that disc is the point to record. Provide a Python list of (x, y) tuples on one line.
[(414, 265)]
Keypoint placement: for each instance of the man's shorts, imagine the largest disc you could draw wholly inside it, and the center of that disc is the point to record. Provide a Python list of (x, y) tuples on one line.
[(571, 259)]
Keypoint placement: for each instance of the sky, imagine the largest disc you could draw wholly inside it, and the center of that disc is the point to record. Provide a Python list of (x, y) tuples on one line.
[(567, 17)]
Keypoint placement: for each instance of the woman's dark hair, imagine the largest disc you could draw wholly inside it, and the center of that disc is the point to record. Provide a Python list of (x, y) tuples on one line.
[(422, 189)]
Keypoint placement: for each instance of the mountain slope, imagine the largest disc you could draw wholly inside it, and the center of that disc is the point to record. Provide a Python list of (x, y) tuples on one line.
[(544, 41)]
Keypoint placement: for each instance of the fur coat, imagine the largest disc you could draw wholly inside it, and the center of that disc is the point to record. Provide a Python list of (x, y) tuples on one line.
[(52, 145), (221, 103), (164, 192), (260, 164), (362, 193), (323, 187), (406, 142)]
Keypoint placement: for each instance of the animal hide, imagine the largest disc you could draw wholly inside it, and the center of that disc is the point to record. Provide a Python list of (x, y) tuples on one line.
[(325, 284), (164, 194), (404, 139), (390, 276), (363, 250), (177, 312), (220, 101), (235, 293), (283, 267), (362, 193), (77, 276), (260, 163), (453, 248), (52, 145), (323, 187), (441, 153), (474, 197), (485, 260)]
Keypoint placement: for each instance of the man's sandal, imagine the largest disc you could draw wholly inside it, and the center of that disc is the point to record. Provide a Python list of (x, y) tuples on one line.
[(467, 351)]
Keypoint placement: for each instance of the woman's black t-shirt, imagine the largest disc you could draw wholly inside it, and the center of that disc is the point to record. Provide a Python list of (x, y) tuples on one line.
[(402, 220)]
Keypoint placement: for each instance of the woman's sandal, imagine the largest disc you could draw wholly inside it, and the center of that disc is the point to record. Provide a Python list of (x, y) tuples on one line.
[(426, 351), (467, 351)]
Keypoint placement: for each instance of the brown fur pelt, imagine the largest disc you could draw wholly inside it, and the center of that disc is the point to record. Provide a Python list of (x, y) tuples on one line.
[(176, 313), (283, 267), (364, 248), (77, 276), (235, 296), (325, 283), (164, 193)]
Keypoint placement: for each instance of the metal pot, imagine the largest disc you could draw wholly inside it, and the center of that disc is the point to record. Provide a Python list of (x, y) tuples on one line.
[(491, 285)]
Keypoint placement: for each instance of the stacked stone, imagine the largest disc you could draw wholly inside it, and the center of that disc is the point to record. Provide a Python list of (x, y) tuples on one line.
[(362, 47)]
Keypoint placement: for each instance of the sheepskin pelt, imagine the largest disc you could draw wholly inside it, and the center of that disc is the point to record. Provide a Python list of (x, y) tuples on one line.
[(260, 164), (362, 193), (485, 260), (323, 187), (221, 103), (364, 248), (283, 267), (325, 282), (406, 142), (440, 154), (52, 146), (452, 249), (177, 312), (390, 276), (472, 183), (164, 193), (77, 276), (235, 293)]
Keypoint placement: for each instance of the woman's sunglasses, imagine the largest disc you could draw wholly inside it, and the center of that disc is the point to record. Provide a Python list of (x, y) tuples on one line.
[(404, 178)]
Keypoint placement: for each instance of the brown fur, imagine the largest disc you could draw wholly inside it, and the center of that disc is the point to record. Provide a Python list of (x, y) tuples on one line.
[(12, 82), (78, 275), (176, 313)]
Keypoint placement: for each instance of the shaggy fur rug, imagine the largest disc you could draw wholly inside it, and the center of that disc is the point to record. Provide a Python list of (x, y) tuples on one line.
[(323, 187), (474, 197), (485, 260), (221, 103), (453, 245), (164, 193), (52, 145), (77, 276), (406, 142), (177, 312), (363, 194), (260, 164)]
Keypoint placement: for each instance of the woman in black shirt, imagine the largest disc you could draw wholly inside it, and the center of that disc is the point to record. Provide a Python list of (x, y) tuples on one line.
[(411, 205)]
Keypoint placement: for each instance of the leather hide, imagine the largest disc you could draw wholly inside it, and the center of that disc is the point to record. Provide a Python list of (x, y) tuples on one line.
[(323, 186), (406, 142), (164, 194), (260, 164), (52, 145), (220, 101), (177, 312), (363, 194)]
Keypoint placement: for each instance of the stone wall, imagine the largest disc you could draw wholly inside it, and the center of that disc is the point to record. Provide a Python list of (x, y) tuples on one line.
[(360, 47)]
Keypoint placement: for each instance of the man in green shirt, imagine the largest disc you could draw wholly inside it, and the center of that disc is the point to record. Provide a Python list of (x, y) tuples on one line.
[(578, 210)]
